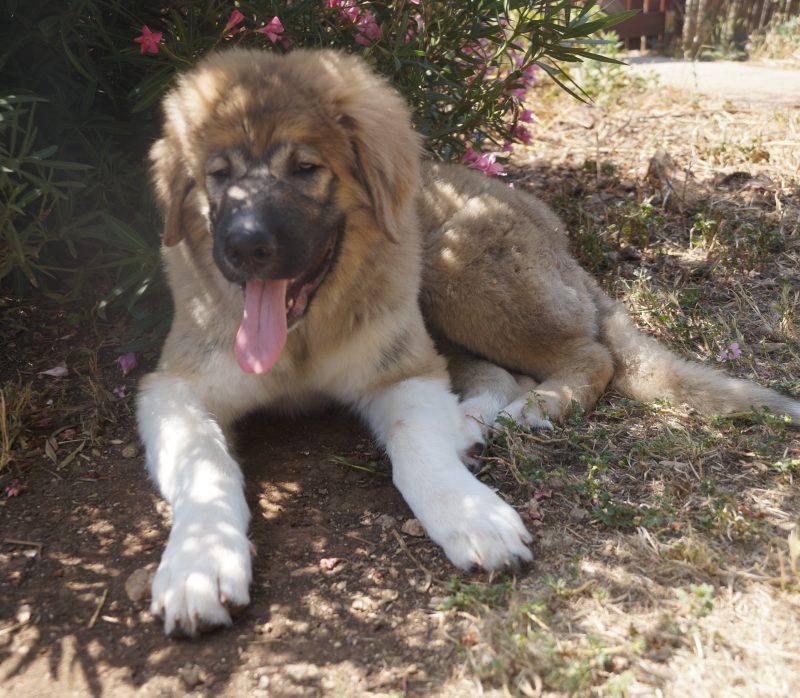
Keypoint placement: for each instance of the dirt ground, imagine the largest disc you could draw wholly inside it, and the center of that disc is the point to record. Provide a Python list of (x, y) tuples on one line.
[(675, 575)]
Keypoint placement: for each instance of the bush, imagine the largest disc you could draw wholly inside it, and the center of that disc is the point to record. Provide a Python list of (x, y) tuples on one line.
[(78, 219), (779, 41)]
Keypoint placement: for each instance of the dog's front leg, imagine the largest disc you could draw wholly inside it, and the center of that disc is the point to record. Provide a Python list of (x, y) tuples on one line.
[(205, 569), (419, 423)]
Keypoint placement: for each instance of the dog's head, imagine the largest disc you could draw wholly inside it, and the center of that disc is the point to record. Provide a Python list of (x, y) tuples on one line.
[(268, 158)]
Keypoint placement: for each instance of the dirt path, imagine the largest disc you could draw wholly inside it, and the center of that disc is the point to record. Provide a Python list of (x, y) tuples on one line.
[(339, 605), (758, 84)]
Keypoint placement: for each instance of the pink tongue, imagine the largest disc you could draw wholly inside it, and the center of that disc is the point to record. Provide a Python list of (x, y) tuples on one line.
[(262, 334)]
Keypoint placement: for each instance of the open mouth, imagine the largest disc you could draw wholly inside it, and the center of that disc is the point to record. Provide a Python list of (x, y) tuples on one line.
[(272, 308), (301, 289)]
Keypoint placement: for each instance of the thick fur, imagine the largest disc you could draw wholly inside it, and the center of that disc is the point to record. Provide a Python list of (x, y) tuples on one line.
[(440, 253), (499, 282)]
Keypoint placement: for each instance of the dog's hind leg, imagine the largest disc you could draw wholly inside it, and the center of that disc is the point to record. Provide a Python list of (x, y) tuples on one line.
[(580, 373)]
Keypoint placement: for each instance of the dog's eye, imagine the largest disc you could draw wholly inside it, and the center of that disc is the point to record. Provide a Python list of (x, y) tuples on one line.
[(218, 169), (305, 167)]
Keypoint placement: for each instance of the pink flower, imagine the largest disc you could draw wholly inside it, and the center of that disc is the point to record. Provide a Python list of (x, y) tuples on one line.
[(349, 10), (522, 134), (368, 29), (120, 391), (148, 41), (235, 19), (469, 155), (127, 362), (486, 163), (272, 30), (417, 24), (414, 2), (731, 353), (526, 115), (328, 564), (14, 489)]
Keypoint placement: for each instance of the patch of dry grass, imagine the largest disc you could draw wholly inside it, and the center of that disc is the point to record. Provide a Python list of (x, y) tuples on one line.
[(666, 542)]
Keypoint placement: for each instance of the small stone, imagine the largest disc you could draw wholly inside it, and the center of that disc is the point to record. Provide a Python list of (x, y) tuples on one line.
[(386, 596), (263, 682), (137, 586), (386, 521), (130, 451), (578, 513), (301, 671), (619, 663), (413, 527), (24, 613), (363, 603), (192, 675)]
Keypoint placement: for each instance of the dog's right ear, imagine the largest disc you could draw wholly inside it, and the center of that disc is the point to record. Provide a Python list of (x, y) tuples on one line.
[(173, 185)]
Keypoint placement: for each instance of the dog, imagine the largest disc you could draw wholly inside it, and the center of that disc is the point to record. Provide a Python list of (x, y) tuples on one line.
[(311, 253)]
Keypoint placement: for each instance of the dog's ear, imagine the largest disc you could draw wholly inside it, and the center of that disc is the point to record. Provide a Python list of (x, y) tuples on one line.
[(387, 149), (173, 184)]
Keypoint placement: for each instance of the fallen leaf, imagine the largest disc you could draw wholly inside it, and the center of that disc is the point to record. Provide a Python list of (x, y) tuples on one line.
[(57, 371), (413, 527), (14, 489)]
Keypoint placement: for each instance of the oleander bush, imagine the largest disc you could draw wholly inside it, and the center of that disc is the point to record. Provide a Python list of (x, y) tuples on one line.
[(81, 81)]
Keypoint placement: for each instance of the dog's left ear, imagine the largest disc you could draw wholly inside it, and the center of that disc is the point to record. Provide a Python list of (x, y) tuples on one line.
[(173, 185), (387, 151)]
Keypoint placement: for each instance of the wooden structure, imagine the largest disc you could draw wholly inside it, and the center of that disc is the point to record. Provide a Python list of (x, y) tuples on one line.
[(658, 24), (692, 25)]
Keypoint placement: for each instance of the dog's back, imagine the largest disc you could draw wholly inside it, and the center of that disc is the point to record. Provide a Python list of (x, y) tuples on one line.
[(500, 282)]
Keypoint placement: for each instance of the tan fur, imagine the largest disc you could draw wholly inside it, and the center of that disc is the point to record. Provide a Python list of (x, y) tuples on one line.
[(360, 125), (499, 281), (386, 256)]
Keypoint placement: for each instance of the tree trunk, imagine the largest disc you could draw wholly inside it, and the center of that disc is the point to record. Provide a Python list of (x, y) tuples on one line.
[(689, 27)]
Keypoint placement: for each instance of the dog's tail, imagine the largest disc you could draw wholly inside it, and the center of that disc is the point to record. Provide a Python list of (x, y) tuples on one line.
[(645, 370)]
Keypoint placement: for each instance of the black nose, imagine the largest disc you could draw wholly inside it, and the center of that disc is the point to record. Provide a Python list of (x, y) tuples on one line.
[(252, 250)]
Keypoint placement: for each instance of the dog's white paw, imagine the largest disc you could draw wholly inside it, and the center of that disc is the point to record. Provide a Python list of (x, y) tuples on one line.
[(475, 527), (479, 413), (528, 412), (205, 572), (474, 432)]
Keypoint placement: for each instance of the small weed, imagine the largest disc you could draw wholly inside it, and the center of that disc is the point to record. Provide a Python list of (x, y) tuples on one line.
[(704, 232), (697, 601), (378, 468), (15, 404), (787, 466), (786, 309), (474, 597), (724, 515), (638, 223), (610, 83), (620, 515), (593, 248)]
